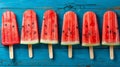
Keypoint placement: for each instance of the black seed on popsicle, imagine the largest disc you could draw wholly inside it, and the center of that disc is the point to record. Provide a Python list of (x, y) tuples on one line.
[(114, 33), (45, 33), (110, 31), (22, 26), (77, 27), (32, 22), (68, 29), (45, 25), (70, 32), (5, 24), (63, 31), (35, 32), (66, 35), (107, 26), (28, 24), (13, 26)]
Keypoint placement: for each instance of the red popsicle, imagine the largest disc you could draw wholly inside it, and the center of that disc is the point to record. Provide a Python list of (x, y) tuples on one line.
[(49, 33), (29, 34), (10, 34), (90, 32), (70, 33), (110, 34)]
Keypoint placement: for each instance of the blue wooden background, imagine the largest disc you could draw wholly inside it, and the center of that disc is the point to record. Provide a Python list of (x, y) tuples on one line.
[(80, 54)]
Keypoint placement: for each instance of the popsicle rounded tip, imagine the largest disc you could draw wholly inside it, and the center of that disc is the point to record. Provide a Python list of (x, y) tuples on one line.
[(50, 11), (110, 12), (89, 12)]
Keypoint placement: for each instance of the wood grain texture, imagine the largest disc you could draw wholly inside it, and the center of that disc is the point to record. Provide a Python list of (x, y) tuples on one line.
[(80, 54)]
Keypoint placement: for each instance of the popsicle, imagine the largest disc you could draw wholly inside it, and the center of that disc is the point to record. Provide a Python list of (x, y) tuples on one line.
[(9, 31), (110, 32), (70, 33), (90, 32), (29, 34), (49, 33)]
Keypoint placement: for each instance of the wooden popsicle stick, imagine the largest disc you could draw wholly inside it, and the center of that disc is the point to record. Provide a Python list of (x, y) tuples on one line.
[(111, 52), (50, 50), (91, 52), (30, 50), (70, 51), (11, 53)]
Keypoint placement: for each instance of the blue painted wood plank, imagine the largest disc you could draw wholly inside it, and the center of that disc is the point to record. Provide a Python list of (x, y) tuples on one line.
[(80, 54)]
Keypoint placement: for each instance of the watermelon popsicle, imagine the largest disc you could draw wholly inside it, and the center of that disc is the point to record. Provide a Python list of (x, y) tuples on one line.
[(90, 32), (70, 33), (110, 32), (29, 34), (49, 33), (9, 32)]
